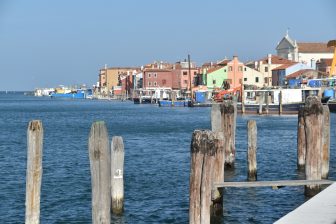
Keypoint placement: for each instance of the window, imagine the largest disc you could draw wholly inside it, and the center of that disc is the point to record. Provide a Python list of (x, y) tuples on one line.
[(155, 75), (245, 69), (164, 82), (155, 83), (185, 81), (240, 68), (266, 69), (214, 81), (185, 73), (256, 79), (245, 79), (149, 83), (265, 80), (149, 75), (224, 70), (240, 81), (195, 73), (230, 68)]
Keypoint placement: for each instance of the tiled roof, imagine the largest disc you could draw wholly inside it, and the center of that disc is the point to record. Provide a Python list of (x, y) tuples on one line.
[(326, 61), (314, 48), (276, 60), (299, 73), (213, 69), (284, 66), (156, 70), (223, 62)]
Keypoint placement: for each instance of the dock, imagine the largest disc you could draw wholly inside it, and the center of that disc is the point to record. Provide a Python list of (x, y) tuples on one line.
[(319, 209)]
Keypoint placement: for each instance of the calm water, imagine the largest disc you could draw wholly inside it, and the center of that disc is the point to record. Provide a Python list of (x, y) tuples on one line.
[(157, 161)]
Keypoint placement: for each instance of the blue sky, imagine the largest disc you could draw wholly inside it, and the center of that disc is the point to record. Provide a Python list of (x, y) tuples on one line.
[(48, 43)]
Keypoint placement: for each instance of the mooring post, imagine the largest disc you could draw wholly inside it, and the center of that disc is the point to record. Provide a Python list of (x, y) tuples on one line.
[(252, 150), (267, 102), (117, 175), (227, 111), (261, 101), (216, 117), (218, 174), (326, 142), (280, 102), (243, 100), (34, 171), (313, 117), (100, 166), (301, 140), (202, 157)]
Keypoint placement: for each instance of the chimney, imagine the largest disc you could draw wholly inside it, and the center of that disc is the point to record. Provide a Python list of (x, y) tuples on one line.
[(256, 65), (269, 59)]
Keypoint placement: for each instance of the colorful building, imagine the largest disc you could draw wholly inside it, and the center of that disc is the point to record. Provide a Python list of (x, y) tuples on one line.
[(215, 77)]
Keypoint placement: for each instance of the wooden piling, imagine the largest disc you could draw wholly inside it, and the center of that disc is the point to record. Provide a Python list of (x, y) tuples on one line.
[(326, 142), (267, 102), (34, 171), (227, 111), (218, 175), (243, 100), (252, 150), (100, 166), (117, 175), (261, 101), (280, 102), (301, 140), (313, 118), (202, 157), (216, 118)]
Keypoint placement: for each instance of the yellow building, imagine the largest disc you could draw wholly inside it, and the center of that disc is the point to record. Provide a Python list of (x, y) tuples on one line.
[(109, 77)]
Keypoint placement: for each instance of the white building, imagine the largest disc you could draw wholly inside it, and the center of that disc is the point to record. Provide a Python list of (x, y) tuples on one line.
[(307, 53)]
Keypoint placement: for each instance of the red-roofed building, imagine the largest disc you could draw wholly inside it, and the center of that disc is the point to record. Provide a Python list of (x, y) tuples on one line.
[(280, 73), (324, 66)]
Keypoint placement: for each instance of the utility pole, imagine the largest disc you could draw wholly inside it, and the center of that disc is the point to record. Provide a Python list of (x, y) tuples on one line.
[(191, 93)]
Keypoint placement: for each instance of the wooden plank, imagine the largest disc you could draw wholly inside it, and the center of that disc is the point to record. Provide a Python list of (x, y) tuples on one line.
[(202, 157), (252, 150), (34, 171), (117, 175), (277, 183), (100, 166), (216, 119)]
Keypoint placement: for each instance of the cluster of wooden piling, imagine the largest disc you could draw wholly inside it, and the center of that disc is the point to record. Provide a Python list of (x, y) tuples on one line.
[(214, 151), (107, 168), (313, 142)]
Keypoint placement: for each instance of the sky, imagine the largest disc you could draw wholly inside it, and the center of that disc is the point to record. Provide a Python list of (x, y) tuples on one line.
[(66, 42)]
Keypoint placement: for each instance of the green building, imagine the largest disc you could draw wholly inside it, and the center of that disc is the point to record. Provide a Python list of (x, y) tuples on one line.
[(214, 77)]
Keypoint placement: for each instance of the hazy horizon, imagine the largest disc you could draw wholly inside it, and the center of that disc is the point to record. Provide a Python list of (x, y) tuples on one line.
[(51, 43)]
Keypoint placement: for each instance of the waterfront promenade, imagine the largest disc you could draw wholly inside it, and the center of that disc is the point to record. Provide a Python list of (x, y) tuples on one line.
[(319, 209)]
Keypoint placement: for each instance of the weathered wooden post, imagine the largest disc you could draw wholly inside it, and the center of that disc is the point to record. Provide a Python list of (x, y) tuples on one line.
[(227, 111), (301, 140), (34, 171), (267, 102), (261, 101), (218, 174), (243, 100), (100, 165), (326, 142), (313, 117), (202, 157), (280, 102), (117, 175), (252, 150), (216, 117)]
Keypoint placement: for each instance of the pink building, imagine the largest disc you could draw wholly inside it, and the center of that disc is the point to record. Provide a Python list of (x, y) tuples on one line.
[(235, 71), (177, 77)]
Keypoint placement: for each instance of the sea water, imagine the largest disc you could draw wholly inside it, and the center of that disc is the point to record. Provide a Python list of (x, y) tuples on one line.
[(157, 161)]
